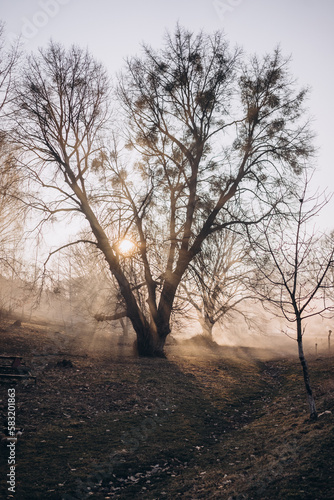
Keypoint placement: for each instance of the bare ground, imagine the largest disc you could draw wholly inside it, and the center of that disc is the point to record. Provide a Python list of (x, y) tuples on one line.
[(207, 422)]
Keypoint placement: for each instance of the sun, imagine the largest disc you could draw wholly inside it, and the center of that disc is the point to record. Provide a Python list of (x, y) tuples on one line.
[(126, 247)]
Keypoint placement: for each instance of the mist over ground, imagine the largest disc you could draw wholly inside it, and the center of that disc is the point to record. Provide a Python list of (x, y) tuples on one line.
[(72, 322)]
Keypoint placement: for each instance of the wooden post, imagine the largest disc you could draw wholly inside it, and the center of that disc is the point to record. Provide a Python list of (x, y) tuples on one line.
[(316, 349), (329, 341)]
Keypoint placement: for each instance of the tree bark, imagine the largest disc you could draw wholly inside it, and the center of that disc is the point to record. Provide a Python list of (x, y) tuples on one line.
[(310, 397), (151, 342), (207, 326)]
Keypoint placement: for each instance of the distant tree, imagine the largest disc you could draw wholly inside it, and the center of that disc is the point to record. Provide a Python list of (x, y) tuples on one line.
[(204, 129), (11, 209), (294, 270), (13, 268), (8, 62), (218, 286)]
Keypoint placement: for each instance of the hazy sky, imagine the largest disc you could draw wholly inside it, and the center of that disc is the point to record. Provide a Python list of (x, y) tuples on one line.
[(114, 29)]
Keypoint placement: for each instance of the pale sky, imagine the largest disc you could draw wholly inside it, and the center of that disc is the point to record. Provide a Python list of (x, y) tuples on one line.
[(113, 30)]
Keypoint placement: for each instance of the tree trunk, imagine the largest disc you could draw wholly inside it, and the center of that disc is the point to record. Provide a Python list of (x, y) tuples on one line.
[(207, 326), (310, 397), (125, 327), (151, 336), (150, 343)]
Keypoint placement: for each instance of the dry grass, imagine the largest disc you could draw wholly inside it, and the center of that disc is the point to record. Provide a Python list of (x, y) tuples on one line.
[(203, 423)]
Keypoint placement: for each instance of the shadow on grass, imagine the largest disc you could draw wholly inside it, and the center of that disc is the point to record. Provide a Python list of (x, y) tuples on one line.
[(186, 426), (147, 413)]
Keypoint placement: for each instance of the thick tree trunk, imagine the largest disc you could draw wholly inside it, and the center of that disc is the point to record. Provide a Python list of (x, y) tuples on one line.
[(310, 397), (144, 345), (151, 344), (151, 337)]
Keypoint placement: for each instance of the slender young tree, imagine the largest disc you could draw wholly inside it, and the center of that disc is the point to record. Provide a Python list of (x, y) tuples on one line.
[(294, 265), (205, 130)]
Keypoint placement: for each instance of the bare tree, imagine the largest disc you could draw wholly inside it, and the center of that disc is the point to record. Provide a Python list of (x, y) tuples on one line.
[(205, 130), (8, 61), (293, 271), (204, 143), (11, 210), (61, 112), (218, 285)]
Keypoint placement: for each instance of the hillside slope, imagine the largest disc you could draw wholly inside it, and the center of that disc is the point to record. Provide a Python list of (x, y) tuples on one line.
[(211, 425)]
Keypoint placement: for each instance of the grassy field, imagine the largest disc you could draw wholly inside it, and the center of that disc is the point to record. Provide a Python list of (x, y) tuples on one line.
[(207, 422)]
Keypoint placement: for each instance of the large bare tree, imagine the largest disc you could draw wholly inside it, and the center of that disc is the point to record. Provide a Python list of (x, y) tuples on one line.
[(205, 130), (212, 134)]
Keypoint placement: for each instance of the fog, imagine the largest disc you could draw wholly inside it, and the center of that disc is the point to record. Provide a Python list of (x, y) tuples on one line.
[(68, 318)]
